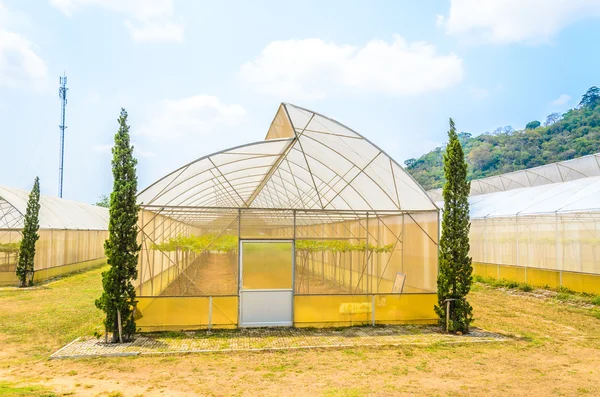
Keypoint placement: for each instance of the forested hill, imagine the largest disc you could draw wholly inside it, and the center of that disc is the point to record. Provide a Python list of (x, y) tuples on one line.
[(562, 137)]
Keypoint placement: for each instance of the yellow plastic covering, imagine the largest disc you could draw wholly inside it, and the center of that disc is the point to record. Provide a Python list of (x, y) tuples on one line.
[(181, 313), (346, 310), (578, 282), (331, 310), (281, 126)]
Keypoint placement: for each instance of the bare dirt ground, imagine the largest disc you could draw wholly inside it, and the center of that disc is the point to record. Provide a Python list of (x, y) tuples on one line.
[(555, 352)]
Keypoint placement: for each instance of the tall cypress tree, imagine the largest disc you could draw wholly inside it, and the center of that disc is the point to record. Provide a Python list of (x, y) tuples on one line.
[(455, 274), (121, 248), (25, 268)]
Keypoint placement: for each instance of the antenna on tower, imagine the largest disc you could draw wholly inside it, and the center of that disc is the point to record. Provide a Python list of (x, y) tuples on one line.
[(62, 94)]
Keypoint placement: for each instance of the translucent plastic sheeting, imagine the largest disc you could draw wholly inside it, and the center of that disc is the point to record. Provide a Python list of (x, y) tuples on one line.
[(563, 171), (170, 270), (560, 241), (335, 253), (9, 278), (56, 248), (307, 161), (267, 265), (574, 196), (55, 213)]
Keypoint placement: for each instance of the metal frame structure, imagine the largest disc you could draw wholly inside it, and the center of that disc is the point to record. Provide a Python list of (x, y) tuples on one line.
[(62, 94), (312, 178), (562, 171)]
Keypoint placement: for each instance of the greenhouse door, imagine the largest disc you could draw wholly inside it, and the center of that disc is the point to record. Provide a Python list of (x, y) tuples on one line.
[(266, 295)]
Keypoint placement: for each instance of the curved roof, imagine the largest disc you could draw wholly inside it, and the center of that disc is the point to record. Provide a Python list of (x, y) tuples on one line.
[(55, 213), (577, 196), (307, 161), (562, 171)]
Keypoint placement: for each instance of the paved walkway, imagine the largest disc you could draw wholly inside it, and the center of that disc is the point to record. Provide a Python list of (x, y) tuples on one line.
[(269, 339)]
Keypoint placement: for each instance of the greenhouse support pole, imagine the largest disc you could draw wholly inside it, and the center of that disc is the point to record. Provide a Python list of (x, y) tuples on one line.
[(558, 267), (367, 254), (404, 237), (378, 273), (162, 259), (210, 310), (517, 260), (239, 264), (141, 260), (373, 310), (294, 270)]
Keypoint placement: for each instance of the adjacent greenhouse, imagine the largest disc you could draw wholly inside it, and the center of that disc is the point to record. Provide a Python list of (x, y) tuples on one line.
[(546, 235), (314, 226), (71, 235)]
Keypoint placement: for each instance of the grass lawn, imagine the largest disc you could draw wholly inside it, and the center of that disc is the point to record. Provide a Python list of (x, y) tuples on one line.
[(557, 352)]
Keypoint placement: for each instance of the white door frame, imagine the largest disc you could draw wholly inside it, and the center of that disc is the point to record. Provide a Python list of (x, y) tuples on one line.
[(282, 292)]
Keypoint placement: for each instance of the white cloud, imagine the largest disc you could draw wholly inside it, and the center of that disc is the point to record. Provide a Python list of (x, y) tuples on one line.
[(148, 20), (561, 100), (11, 19), (506, 21), (19, 62), (312, 68), (196, 115)]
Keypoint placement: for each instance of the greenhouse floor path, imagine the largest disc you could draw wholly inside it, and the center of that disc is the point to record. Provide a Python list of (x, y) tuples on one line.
[(269, 339)]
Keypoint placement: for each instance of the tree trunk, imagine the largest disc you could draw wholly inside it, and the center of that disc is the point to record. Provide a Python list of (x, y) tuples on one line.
[(120, 326)]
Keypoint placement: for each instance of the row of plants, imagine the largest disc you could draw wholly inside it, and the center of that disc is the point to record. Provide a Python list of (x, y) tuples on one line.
[(340, 246), (10, 248), (10, 256), (210, 241), (339, 270), (229, 243)]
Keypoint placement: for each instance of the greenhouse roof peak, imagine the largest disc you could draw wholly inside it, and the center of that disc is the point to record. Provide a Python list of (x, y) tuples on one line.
[(306, 162)]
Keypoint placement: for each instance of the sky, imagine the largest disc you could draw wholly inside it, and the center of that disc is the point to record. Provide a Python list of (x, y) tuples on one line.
[(197, 77)]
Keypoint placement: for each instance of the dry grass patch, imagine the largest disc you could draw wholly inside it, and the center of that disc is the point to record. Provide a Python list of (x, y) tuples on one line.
[(556, 353)]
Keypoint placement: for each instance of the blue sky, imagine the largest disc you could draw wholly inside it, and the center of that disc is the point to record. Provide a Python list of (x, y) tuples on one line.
[(200, 76)]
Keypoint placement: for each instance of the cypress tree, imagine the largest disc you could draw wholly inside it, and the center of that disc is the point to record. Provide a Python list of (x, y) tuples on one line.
[(455, 269), (30, 237), (121, 248)]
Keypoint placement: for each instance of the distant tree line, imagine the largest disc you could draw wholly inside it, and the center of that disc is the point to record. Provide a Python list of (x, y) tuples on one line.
[(576, 133)]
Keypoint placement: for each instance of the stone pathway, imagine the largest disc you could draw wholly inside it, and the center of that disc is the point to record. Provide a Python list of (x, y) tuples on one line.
[(270, 339)]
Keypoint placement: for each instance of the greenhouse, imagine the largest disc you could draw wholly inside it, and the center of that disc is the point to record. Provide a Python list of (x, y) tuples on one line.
[(71, 235), (314, 226), (545, 235)]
